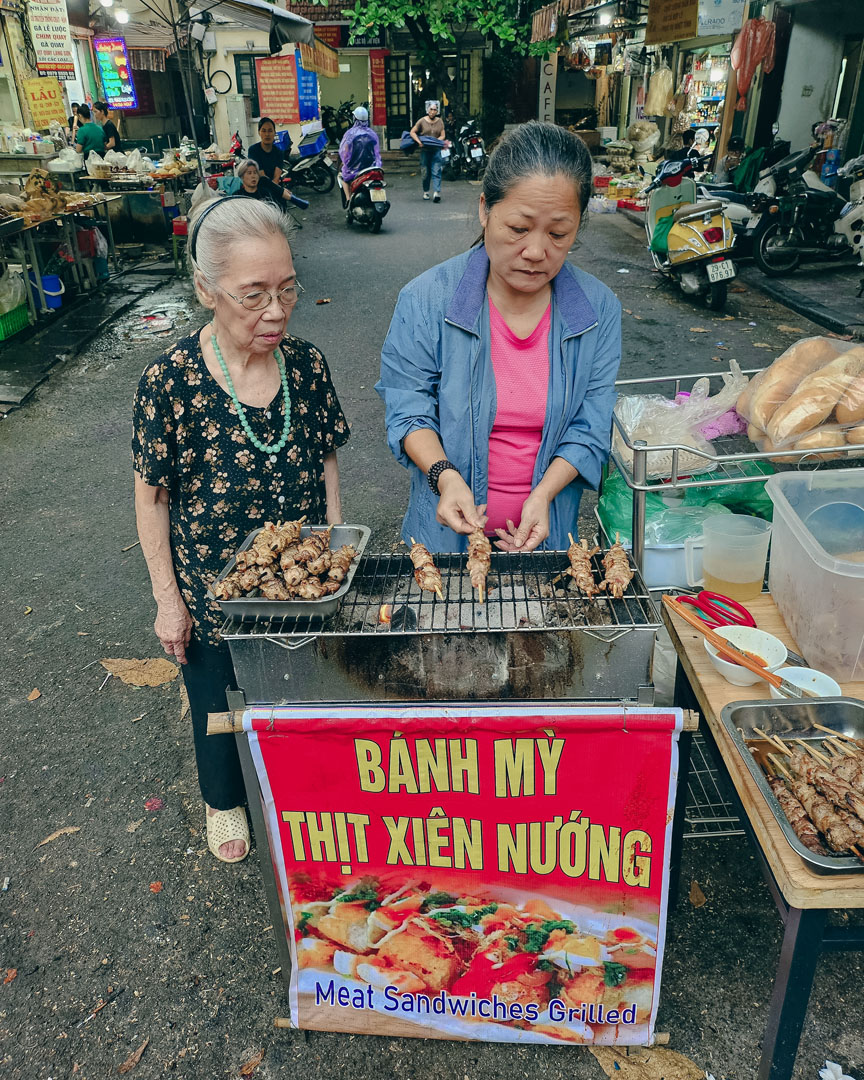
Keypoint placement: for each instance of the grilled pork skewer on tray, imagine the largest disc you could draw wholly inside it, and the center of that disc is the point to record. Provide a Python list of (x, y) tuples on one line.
[(426, 573), (796, 815), (479, 561), (618, 573), (580, 570)]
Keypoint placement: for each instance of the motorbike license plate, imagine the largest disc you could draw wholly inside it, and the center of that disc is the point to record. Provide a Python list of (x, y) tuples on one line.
[(328, 160), (378, 195), (476, 152), (753, 221), (720, 271)]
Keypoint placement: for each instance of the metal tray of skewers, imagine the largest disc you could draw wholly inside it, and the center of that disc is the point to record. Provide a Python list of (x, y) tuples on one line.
[(255, 604), (824, 772)]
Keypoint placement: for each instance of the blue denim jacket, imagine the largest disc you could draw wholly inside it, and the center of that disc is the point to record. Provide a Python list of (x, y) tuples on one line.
[(436, 372)]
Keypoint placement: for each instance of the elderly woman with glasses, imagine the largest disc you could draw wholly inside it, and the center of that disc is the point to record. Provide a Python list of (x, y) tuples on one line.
[(234, 426)]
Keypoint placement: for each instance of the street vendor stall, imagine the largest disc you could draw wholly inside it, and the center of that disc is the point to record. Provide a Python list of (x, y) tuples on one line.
[(429, 875)]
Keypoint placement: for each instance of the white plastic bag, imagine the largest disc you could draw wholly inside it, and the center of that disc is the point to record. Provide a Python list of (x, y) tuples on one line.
[(115, 159), (12, 293), (135, 162), (66, 161), (660, 421), (100, 243), (94, 160)]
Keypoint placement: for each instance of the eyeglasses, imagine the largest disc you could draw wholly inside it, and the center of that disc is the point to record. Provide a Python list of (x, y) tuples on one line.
[(257, 301)]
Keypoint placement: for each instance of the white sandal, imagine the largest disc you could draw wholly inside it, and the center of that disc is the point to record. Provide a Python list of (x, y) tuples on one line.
[(224, 826)]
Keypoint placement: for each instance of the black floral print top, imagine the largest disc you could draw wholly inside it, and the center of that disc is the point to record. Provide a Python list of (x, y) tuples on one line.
[(188, 439)]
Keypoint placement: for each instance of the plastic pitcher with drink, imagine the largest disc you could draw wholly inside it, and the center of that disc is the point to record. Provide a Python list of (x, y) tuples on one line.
[(734, 553)]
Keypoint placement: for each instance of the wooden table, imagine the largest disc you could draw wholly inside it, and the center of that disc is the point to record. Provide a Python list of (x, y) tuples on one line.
[(803, 897)]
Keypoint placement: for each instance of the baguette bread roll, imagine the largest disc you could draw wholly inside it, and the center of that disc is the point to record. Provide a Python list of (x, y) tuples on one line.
[(776, 383), (767, 447), (814, 400), (850, 407), (831, 435), (744, 403), (754, 434), (855, 435)]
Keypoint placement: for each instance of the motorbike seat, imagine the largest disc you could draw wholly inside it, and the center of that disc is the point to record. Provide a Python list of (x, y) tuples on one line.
[(687, 210)]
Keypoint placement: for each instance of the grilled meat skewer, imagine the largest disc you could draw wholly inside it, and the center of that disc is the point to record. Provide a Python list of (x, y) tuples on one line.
[(426, 573), (796, 815), (618, 573), (580, 566), (838, 834), (832, 787), (340, 561), (479, 561)]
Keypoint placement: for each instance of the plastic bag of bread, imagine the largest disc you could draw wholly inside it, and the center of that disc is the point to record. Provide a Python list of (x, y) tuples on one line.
[(660, 421), (817, 381)]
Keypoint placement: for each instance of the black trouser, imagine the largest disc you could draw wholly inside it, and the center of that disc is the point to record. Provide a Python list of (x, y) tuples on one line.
[(207, 674)]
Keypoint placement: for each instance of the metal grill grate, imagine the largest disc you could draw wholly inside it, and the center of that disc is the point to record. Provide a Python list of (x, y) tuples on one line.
[(710, 812), (522, 595)]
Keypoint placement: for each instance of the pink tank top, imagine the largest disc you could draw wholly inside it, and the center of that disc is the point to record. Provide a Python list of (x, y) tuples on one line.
[(521, 367)]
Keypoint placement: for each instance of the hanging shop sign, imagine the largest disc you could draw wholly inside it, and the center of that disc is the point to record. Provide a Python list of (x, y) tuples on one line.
[(115, 73), (458, 872), (45, 98), (374, 40), (307, 90), (548, 87), (671, 20), (278, 94), (49, 31), (720, 18), (377, 75), (321, 59), (331, 34)]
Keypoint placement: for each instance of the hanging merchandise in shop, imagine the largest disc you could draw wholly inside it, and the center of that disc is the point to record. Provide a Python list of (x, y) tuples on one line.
[(45, 98), (755, 46), (49, 29), (115, 73)]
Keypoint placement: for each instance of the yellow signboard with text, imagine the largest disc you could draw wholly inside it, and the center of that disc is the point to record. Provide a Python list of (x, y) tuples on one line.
[(45, 99), (671, 20)]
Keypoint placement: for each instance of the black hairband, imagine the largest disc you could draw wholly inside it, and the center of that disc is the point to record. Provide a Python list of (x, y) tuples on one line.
[(207, 209)]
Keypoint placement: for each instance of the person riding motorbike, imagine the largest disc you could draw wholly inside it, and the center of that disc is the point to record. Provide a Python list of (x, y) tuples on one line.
[(359, 148)]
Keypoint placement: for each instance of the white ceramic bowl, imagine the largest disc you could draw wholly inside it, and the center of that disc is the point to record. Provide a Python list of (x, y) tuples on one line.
[(770, 648), (808, 679)]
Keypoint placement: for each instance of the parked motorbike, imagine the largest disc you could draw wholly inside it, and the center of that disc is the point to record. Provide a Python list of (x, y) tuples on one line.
[(467, 153), (690, 241), (336, 121), (793, 214), (850, 224), (317, 171), (365, 199)]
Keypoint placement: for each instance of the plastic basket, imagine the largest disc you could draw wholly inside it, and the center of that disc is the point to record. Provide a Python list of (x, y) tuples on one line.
[(312, 143), (601, 181), (13, 321)]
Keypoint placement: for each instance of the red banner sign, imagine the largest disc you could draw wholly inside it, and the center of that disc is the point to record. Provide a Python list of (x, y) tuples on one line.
[(331, 34), (379, 85), (277, 89), (473, 872)]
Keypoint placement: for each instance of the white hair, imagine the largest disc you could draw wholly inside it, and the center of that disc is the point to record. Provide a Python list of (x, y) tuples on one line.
[(237, 219), (243, 165)]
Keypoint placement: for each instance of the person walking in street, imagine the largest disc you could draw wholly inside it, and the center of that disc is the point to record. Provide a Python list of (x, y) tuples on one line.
[(432, 127), (109, 130), (266, 154), (234, 426), (89, 136), (498, 370)]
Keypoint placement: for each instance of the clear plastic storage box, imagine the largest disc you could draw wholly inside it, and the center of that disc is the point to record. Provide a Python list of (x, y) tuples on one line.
[(817, 566)]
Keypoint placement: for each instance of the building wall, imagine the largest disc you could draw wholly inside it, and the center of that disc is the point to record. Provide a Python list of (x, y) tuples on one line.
[(10, 109), (350, 84), (812, 70), (165, 121)]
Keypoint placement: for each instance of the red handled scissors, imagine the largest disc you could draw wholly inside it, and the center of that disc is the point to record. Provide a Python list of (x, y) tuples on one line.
[(718, 610)]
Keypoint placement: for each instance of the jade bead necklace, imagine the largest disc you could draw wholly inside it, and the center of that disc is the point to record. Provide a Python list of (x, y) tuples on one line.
[(274, 448)]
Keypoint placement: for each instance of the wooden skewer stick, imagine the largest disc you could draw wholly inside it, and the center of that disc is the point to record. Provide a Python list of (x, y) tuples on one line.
[(438, 593), (839, 747), (817, 754), (570, 538), (773, 739), (833, 752), (856, 851), (836, 734), (779, 766)]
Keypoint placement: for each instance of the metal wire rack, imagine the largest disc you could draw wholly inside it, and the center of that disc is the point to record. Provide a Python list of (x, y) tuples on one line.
[(524, 592), (710, 811)]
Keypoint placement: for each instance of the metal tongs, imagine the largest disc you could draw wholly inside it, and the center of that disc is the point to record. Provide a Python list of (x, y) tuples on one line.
[(733, 654)]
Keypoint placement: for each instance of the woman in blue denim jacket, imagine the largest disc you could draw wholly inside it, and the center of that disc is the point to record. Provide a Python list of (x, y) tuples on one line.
[(445, 379)]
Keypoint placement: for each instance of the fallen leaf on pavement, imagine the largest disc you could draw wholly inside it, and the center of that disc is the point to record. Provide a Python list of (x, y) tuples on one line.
[(83, 633), (28, 610), (326, 300), (10, 975), (698, 330), (737, 288), (155, 886), (252, 1064), (646, 1063), (762, 345), (154, 672), (34, 693), (784, 329), (133, 825), (133, 1059), (697, 897), (726, 318), (135, 719), (60, 832), (717, 359), (154, 803)]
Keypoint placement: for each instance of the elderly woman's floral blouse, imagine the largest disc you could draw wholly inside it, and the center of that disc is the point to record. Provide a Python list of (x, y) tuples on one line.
[(188, 438)]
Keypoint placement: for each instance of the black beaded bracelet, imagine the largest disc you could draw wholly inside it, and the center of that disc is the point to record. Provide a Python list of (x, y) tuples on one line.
[(435, 472)]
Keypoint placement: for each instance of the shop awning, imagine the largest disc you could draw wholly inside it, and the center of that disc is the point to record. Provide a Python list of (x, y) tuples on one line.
[(284, 27)]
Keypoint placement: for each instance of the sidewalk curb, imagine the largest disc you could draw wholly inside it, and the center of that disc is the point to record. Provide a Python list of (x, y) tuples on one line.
[(784, 294)]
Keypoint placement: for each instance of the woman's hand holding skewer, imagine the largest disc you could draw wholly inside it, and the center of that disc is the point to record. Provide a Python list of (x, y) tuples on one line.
[(456, 507)]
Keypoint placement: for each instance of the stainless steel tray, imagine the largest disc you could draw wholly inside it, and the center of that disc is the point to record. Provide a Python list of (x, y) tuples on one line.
[(358, 535), (793, 720)]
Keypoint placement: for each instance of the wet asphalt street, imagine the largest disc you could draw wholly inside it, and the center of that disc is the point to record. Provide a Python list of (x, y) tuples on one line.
[(190, 965)]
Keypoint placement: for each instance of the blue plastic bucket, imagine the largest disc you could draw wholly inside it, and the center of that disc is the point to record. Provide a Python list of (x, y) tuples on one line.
[(53, 288)]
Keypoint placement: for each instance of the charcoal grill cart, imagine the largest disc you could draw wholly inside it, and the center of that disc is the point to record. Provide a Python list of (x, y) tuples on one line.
[(533, 659)]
